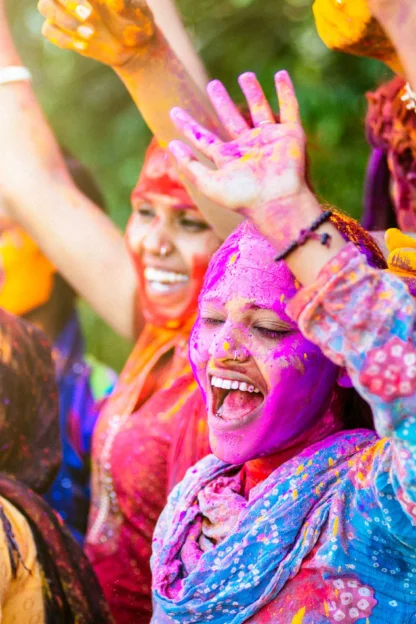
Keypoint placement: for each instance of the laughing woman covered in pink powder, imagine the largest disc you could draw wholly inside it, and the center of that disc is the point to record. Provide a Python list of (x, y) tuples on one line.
[(304, 513)]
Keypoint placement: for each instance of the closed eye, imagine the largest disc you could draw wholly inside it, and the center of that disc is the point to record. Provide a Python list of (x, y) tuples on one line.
[(145, 210), (274, 334), (272, 328), (193, 225), (212, 321)]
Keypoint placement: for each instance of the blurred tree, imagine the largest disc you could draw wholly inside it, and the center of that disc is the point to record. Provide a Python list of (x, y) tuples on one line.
[(93, 116)]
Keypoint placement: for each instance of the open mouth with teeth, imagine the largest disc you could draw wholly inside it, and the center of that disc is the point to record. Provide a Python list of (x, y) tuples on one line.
[(234, 400), (164, 281)]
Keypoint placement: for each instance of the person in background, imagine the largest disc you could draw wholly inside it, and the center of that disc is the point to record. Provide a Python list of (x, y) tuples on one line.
[(32, 288), (383, 31), (153, 297), (45, 576), (83, 383)]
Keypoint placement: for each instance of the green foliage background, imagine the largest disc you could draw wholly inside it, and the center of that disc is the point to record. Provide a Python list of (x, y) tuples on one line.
[(94, 117)]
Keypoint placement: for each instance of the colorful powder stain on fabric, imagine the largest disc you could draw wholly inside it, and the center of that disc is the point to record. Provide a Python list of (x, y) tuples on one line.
[(30, 457), (298, 618), (151, 429), (118, 542)]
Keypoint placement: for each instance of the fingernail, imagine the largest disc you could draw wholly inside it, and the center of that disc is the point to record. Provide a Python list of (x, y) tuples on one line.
[(82, 12), (247, 76), (86, 32), (214, 85), (177, 113), (281, 74), (80, 45)]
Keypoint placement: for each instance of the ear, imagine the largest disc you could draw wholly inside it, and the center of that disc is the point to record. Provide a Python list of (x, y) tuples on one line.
[(343, 379)]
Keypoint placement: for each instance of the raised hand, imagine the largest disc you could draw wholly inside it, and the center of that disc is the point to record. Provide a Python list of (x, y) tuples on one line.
[(262, 169), (110, 31)]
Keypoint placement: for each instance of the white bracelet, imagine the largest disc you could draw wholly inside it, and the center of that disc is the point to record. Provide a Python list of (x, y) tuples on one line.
[(14, 73)]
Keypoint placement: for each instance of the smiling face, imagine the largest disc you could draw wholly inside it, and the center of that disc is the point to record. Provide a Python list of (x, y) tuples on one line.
[(263, 382), (170, 241)]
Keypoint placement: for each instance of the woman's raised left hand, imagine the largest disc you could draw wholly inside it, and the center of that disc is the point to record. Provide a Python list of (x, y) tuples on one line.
[(260, 172)]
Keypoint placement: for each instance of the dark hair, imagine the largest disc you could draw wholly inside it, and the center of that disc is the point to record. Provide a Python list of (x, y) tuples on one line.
[(84, 180), (29, 432)]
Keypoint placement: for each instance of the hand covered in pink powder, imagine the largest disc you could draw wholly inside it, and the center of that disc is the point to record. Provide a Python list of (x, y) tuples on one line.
[(260, 172)]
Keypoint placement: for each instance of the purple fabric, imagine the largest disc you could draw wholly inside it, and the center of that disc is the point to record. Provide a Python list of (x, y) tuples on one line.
[(378, 207), (70, 492)]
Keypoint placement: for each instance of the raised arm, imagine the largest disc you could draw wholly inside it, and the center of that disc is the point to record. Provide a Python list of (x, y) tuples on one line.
[(78, 238), (158, 77), (170, 23), (124, 36), (398, 18), (365, 319)]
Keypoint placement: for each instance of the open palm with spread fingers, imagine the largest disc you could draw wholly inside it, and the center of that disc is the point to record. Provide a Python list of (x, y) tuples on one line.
[(261, 165), (110, 31)]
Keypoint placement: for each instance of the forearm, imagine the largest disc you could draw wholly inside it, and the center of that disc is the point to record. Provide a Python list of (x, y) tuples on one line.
[(170, 23), (281, 229), (401, 28), (157, 81), (82, 242), (84, 245), (8, 52)]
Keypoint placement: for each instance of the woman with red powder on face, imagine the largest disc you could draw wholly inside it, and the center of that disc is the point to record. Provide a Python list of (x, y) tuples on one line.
[(171, 244), (303, 514), (137, 443)]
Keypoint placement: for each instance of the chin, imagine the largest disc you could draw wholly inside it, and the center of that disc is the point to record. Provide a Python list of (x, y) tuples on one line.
[(230, 450)]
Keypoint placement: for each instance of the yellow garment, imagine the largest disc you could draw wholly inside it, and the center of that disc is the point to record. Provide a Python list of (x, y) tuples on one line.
[(348, 26), (27, 279), (402, 253), (21, 598)]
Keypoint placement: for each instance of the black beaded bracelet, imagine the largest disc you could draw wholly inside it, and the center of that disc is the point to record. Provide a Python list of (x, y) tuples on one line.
[(305, 235)]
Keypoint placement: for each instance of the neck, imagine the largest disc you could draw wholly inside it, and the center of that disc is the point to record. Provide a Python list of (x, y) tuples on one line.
[(257, 470)]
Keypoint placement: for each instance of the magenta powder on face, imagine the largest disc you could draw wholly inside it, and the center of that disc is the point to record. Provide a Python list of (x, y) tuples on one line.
[(244, 249), (299, 380)]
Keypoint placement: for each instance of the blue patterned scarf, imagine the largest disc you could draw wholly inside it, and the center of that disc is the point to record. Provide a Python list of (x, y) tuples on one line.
[(276, 530)]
